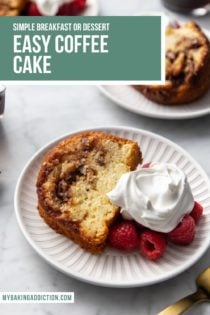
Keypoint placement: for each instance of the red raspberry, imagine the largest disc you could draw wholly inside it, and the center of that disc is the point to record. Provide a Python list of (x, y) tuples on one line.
[(197, 212), (152, 244), (139, 226), (32, 10), (184, 233), (123, 236), (72, 8)]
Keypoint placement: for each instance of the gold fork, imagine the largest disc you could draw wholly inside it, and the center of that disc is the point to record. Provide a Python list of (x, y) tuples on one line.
[(201, 295)]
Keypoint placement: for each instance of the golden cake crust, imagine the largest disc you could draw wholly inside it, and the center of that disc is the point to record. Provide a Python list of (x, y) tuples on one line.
[(73, 181), (187, 67), (11, 7)]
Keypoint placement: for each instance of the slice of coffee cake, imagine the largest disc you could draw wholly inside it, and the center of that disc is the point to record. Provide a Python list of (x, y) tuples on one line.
[(73, 181), (187, 67)]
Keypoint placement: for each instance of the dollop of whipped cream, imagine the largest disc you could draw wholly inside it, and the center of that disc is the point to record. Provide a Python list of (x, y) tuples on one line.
[(157, 197), (50, 7)]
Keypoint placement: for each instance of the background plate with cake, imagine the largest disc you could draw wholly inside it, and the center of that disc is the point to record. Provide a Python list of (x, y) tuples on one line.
[(186, 93)]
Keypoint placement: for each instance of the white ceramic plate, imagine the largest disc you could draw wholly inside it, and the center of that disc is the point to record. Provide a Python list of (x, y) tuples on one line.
[(92, 8), (132, 100), (114, 268)]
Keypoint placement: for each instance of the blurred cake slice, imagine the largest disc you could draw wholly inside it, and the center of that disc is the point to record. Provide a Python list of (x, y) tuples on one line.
[(187, 66), (11, 7)]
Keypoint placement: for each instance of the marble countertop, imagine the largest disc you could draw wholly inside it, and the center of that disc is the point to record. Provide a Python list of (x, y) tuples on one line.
[(37, 114)]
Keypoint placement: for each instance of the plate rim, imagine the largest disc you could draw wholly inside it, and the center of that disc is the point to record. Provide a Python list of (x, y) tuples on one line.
[(124, 105), (76, 275)]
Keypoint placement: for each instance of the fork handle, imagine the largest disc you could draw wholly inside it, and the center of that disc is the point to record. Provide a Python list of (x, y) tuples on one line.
[(184, 304)]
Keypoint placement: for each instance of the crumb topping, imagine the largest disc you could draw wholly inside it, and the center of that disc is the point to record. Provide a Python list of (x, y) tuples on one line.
[(185, 50)]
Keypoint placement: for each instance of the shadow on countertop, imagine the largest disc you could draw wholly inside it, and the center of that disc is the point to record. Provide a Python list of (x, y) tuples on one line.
[(3, 147), (3, 142)]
